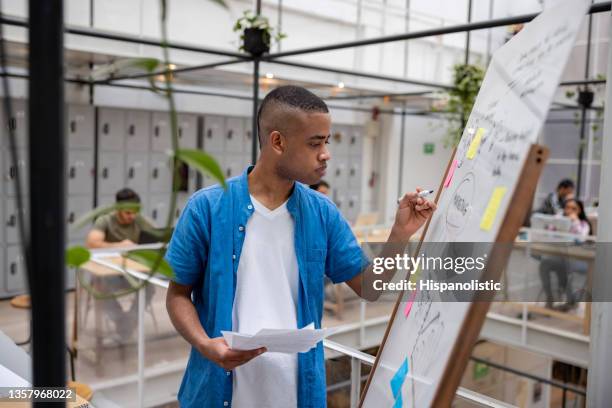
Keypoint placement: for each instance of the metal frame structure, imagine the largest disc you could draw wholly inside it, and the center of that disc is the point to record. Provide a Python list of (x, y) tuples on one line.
[(46, 83)]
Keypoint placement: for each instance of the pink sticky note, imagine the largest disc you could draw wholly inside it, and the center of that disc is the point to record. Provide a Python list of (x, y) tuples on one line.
[(451, 171), (409, 303)]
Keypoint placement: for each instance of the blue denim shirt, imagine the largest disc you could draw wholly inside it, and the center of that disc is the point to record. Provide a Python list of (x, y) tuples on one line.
[(205, 252)]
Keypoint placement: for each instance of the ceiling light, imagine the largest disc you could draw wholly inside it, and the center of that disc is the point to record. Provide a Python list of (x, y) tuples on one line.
[(340, 84), (269, 75), (171, 67)]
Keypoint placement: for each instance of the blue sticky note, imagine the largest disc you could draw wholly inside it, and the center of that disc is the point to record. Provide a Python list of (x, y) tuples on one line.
[(398, 378), (398, 402)]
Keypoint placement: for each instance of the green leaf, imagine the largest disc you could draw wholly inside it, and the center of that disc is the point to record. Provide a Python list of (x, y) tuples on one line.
[(221, 3), (122, 65), (151, 258), (98, 211), (203, 162), (77, 256)]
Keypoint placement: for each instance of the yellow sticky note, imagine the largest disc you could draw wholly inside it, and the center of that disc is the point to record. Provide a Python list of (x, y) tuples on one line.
[(491, 212), (475, 144)]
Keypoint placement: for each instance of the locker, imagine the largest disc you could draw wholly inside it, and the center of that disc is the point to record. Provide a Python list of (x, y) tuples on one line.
[(157, 210), (235, 135), (160, 173), (10, 171), (80, 126), (160, 136), (80, 171), (110, 173), (355, 143), (137, 131), (108, 199), (187, 131), (354, 175), (338, 143), (136, 172), (19, 122), (232, 165), (77, 206), (214, 130), (10, 220), (111, 129), (15, 269)]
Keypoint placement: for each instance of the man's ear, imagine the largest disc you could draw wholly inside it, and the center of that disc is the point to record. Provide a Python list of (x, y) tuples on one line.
[(277, 141)]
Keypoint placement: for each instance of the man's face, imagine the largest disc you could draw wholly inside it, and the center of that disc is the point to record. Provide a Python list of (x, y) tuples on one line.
[(126, 217), (566, 192), (304, 153)]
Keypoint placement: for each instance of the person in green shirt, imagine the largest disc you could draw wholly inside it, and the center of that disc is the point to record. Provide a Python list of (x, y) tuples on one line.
[(118, 229)]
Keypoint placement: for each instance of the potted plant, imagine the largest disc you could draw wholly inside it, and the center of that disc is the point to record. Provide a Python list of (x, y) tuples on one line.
[(257, 34), (458, 102)]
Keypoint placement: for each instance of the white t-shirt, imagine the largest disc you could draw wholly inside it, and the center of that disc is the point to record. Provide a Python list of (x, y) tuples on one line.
[(266, 297)]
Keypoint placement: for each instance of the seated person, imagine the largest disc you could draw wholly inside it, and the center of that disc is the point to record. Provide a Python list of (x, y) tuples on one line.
[(564, 266), (120, 228), (322, 187), (554, 202)]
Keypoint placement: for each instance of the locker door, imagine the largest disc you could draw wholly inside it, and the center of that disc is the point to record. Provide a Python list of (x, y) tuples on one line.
[(338, 143), (10, 220), (214, 130), (340, 173), (111, 129), (80, 125), (160, 173), (19, 122), (137, 172), (354, 174), (234, 135), (158, 209), (355, 143), (77, 206), (232, 165), (187, 131), (137, 130), (10, 171), (2, 233), (80, 171), (160, 137), (15, 269), (110, 173)]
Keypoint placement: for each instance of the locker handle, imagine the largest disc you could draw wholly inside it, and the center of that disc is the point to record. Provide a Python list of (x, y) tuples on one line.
[(131, 172), (156, 130), (73, 126), (131, 130), (13, 268), (228, 172), (72, 173), (105, 172), (353, 140), (209, 133), (351, 203), (337, 172), (230, 134), (155, 173), (154, 214), (178, 212), (11, 221), (352, 171), (248, 134), (105, 128), (12, 172), (180, 132), (12, 123), (71, 217)]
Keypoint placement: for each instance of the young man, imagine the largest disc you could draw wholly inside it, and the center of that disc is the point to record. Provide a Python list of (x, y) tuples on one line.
[(120, 228), (554, 202), (254, 255)]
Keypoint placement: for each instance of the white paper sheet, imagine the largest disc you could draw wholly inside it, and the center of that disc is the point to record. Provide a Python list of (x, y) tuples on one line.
[(278, 340)]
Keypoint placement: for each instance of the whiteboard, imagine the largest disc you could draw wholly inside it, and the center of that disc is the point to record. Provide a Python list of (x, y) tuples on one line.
[(508, 114)]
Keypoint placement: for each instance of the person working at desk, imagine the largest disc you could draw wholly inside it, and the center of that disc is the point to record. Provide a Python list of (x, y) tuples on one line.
[(322, 187), (121, 228), (254, 255), (554, 202), (564, 267)]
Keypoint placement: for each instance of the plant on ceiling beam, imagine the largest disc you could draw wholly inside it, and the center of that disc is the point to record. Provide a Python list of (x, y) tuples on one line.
[(256, 33), (467, 79)]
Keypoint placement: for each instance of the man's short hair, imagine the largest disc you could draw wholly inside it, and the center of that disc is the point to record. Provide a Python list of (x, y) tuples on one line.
[(289, 97), (565, 183), (127, 195)]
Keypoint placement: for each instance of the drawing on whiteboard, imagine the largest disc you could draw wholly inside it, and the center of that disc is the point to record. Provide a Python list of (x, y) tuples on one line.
[(459, 209)]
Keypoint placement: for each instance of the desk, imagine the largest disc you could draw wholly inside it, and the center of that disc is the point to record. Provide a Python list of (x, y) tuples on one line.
[(579, 252)]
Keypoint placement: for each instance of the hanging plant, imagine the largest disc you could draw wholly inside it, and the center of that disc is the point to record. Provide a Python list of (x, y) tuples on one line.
[(586, 97), (467, 80), (256, 33)]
